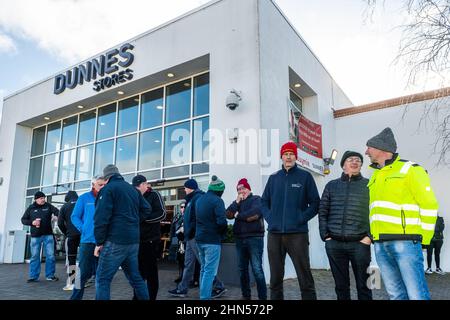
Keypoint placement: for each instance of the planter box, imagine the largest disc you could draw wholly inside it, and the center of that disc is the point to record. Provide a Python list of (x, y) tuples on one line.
[(228, 267)]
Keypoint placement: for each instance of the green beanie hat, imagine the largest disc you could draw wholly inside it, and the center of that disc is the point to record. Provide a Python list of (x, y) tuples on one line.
[(216, 184)]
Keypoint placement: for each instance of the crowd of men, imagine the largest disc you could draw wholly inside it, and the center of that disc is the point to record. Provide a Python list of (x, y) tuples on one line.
[(117, 224)]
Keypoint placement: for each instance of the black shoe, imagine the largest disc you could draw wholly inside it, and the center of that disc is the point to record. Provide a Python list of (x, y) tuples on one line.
[(193, 284), (32, 280), (53, 279), (216, 293), (178, 293)]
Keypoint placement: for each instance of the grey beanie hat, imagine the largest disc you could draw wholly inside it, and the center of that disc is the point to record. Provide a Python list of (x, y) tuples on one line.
[(383, 141), (109, 171)]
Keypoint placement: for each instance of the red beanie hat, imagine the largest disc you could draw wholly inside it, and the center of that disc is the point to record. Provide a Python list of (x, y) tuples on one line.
[(289, 146), (244, 183)]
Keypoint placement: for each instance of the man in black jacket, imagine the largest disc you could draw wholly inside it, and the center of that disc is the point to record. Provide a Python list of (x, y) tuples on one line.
[(344, 226), (72, 236), (39, 216), (248, 229), (119, 210), (150, 234)]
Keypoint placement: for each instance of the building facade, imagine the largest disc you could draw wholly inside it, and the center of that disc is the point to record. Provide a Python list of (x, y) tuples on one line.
[(157, 105)]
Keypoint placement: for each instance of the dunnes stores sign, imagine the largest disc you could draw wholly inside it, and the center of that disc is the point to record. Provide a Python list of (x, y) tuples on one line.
[(107, 63)]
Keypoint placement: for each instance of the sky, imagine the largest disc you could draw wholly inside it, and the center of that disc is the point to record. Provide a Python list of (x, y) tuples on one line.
[(40, 38)]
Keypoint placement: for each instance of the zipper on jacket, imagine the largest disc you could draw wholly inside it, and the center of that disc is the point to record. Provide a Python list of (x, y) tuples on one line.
[(403, 221), (344, 213), (283, 228)]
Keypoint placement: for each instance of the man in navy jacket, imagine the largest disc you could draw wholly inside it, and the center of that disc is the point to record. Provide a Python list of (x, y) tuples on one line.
[(290, 200), (119, 210)]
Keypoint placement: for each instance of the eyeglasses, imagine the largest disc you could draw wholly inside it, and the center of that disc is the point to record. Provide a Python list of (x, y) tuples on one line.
[(353, 159), (182, 207)]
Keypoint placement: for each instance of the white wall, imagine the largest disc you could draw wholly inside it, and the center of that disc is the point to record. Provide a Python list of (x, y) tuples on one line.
[(226, 30), (415, 142), (281, 48)]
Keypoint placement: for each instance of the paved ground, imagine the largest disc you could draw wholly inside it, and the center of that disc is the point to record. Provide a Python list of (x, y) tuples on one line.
[(13, 286)]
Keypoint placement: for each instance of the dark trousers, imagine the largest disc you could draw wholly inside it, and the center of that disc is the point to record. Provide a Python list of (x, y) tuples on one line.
[(297, 246), (250, 251), (72, 249), (148, 266), (340, 254), (86, 269), (435, 245)]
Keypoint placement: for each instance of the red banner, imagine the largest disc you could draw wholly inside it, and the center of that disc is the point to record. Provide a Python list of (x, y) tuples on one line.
[(310, 137)]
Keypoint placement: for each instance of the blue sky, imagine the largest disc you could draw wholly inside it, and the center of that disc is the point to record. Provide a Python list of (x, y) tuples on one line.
[(40, 38)]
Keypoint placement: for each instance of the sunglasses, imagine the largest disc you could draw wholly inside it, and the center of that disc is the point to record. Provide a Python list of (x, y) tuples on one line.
[(182, 206)]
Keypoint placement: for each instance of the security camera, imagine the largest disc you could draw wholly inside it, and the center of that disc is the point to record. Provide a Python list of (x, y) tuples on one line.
[(233, 100)]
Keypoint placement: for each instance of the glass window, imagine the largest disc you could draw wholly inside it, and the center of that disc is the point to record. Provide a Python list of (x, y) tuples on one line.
[(106, 127), (200, 142), (34, 174), (201, 95), (150, 149), (103, 155), (31, 192), (37, 146), (152, 108), (176, 172), (50, 169), (296, 100), (128, 178), (82, 185), (178, 101), (63, 188), (48, 191), (85, 157), (53, 136), (200, 168), (69, 133), (67, 161), (86, 131), (128, 115), (176, 145), (152, 175), (126, 153)]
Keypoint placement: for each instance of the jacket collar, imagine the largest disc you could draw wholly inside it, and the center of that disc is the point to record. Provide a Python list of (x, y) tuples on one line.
[(294, 168), (345, 177), (115, 177), (387, 163)]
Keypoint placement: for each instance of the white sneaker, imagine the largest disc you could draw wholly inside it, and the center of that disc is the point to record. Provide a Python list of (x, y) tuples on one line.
[(68, 287), (429, 271), (439, 270)]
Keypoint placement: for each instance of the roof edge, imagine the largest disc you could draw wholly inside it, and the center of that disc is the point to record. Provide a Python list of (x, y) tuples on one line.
[(390, 103)]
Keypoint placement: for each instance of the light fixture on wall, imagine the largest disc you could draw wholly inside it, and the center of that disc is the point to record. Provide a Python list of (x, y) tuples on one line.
[(329, 161), (233, 135), (233, 99), (297, 85)]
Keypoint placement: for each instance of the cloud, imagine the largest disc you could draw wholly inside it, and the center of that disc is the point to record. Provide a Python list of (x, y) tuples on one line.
[(73, 30), (7, 44)]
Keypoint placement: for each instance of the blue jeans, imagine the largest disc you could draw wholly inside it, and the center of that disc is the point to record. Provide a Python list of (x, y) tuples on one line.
[(35, 261), (190, 257), (86, 267), (209, 260), (113, 256), (250, 250), (401, 266)]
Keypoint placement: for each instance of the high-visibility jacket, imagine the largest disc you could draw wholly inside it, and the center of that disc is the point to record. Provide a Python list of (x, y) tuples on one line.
[(402, 203)]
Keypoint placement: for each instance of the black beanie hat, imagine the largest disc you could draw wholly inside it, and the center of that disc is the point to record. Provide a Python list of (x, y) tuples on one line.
[(38, 195), (348, 154)]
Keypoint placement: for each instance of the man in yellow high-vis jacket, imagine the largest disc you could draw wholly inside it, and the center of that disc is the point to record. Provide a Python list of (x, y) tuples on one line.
[(403, 212)]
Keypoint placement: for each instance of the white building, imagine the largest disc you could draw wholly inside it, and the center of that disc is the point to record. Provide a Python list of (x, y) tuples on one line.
[(178, 76)]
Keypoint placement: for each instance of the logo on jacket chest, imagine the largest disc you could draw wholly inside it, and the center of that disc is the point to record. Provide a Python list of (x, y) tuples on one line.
[(296, 185)]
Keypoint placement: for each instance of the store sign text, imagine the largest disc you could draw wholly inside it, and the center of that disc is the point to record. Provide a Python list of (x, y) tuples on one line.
[(107, 64)]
